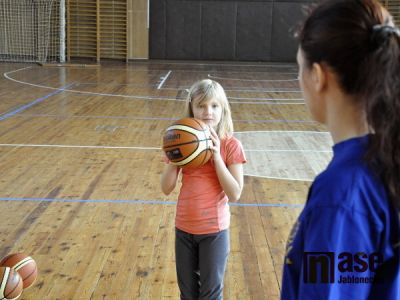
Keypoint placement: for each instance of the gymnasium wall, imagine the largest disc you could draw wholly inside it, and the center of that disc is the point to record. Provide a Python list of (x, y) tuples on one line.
[(225, 30), (178, 29)]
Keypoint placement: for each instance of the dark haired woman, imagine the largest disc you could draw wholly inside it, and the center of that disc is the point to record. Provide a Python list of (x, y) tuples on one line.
[(345, 244)]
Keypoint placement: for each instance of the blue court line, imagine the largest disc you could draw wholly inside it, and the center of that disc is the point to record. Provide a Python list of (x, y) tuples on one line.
[(160, 202), (163, 118), (14, 112)]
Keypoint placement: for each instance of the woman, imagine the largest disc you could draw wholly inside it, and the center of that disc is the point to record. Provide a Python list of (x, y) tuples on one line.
[(345, 243)]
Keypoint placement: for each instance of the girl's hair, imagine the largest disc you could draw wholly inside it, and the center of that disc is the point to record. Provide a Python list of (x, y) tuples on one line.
[(205, 90), (359, 42)]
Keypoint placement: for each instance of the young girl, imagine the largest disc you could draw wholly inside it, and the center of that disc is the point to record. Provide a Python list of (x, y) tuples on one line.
[(202, 216), (345, 244)]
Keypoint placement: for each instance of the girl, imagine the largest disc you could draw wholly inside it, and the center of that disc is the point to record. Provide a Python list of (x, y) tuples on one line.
[(345, 244), (202, 216)]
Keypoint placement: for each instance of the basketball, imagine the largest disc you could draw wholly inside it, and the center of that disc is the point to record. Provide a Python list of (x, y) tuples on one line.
[(24, 265), (10, 284), (187, 143)]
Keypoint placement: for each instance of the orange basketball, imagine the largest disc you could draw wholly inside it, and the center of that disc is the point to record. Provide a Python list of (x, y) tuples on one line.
[(10, 284), (187, 143), (24, 265)]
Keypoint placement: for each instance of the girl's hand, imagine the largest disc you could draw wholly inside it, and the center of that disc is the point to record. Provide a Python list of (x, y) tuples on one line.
[(216, 144)]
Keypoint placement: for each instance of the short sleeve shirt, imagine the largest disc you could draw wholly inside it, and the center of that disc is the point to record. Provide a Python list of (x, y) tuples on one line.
[(202, 204)]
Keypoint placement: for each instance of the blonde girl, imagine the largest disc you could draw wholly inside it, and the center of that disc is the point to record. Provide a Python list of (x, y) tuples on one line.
[(202, 215)]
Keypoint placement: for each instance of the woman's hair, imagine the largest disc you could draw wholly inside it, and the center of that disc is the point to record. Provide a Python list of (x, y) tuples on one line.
[(205, 90), (359, 42)]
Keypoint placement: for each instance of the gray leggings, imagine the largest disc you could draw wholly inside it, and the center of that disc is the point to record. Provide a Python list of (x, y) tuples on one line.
[(200, 264)]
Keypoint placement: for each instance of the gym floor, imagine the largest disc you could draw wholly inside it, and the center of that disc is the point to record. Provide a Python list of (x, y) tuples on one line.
[(81, 162)]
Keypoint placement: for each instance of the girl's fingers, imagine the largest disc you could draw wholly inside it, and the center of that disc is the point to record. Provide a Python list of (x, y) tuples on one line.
[(212, 131)]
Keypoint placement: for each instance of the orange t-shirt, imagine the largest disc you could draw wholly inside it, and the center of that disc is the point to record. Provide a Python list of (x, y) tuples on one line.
[(202, 204)]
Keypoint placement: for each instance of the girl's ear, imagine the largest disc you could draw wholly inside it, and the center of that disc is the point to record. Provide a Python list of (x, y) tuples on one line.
[(318, 76)]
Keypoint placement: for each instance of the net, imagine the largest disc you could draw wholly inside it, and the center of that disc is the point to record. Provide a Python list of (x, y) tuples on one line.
[(30, 31)]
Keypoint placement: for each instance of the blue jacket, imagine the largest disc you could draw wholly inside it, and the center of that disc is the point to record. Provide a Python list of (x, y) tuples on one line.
[(345, 243)]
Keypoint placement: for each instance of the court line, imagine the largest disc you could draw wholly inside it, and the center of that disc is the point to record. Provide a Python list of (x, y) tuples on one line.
[(284, 131), (99, 117), (134, 69), (79, 146), (17, 70), (164, 79), (136, 97), (159, 118), (26, 106), (147, 148), (159, 149), (280, 178), (241, 79), (275, 121), (264, 99), (89, 93), (159, 202), (267, 102), (244, 89), (288, 150)]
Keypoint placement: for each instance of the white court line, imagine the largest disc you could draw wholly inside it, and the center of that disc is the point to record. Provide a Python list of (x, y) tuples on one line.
[(150, 71), (88, 93), (132, 96), (16, 71), (164, 79), (238, 89), (142, 148), (279, 178), (80, 146), (284, 131), (263, 99), (288, 150), (267, 80), (267, 102)]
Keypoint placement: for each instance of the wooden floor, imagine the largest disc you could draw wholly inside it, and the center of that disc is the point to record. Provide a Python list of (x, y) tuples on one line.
[(80, 165)]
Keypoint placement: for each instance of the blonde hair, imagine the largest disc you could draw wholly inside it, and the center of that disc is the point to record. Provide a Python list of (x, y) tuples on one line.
[(205, 90)]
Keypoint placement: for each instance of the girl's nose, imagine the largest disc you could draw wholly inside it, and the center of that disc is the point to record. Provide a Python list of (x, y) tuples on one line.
[(208, 110)]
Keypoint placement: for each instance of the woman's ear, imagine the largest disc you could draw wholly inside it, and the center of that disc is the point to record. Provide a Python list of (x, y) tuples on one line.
[(319, 76)]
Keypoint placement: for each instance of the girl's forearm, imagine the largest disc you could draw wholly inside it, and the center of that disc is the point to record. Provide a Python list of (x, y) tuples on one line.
[(232, 186), (169, 177)]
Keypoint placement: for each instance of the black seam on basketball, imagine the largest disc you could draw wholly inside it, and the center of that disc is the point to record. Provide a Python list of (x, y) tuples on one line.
[(185, 130), (202, 162), (198, 123), (6, 279), (187, 143), (5, 262), (21, 263), (197, 147), (205, 156), (179, 124), (194, 151), (30, 274), (6, 296), (176, 145), (203, 129), (4, 273)]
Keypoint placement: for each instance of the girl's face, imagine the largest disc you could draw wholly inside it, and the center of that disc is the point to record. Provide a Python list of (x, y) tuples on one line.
[(209, 111), (306, 84)]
